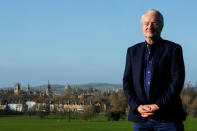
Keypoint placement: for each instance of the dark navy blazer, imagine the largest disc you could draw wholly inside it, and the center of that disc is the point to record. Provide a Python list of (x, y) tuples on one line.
[(168, 74)]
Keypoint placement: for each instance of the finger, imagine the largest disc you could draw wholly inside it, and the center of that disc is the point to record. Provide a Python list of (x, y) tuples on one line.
[(147, 111), (147, 108), (141, 109), (146, 114), (154, 107)]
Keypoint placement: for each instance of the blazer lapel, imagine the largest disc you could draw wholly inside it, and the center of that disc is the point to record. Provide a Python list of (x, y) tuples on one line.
[(140, 65), (156, 57)]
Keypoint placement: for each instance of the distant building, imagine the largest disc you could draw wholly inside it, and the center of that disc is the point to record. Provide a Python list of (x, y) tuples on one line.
[(28, 89), (115, 90), (70, 107), (67, 86), (31, 105), (17, 89), (85, 95), (3, 107), (48, 89), (15, 107)]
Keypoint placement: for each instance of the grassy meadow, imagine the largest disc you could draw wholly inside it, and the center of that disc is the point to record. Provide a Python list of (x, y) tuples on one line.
[(52, 123)]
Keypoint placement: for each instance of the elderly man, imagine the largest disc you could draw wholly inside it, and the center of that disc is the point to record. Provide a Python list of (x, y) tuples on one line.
[(153, 79)]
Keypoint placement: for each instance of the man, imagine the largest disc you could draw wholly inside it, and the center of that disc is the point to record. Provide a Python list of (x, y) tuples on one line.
[(153, 79)]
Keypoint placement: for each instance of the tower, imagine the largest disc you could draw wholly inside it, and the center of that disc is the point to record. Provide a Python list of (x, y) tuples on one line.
[(48, 89), (16, 88), (28, 89)]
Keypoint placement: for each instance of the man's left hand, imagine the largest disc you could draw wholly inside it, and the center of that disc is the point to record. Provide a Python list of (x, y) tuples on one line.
[(154, 107)]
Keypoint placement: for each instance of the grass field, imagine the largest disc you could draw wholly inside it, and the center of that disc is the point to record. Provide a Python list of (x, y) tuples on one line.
[(25, 123)]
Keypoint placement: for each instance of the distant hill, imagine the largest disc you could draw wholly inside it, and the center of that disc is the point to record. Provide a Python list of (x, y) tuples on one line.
[(100, 86), (55, 86)]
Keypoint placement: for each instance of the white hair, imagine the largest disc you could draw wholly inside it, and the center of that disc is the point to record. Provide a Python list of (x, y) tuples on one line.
[(157, 13)]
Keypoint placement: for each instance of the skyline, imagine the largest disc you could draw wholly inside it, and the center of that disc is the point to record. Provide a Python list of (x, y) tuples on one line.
[(80, 42)]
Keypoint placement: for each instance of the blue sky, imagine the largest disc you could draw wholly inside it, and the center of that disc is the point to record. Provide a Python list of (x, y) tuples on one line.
[(82, 41)]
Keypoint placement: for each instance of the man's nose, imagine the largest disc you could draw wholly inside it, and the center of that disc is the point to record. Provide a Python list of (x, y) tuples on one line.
[(150, 25)]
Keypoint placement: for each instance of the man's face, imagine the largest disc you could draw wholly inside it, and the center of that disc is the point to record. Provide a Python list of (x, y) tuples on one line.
[(151, 26)]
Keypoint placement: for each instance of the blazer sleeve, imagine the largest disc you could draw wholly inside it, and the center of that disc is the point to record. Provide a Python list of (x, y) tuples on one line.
[(128, 86), (177, 72)]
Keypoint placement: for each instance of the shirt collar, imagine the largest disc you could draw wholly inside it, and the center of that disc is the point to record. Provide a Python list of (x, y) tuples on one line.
[(154, 44)]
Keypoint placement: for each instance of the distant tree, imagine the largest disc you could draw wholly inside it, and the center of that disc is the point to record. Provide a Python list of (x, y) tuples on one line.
[(41, 111), (89, 90), (118, 106), (47, 109), (113, 115), (67, 92), (31, 111), (194, 107), (189, 100), (118, 101), (25, 108), (89, 113)]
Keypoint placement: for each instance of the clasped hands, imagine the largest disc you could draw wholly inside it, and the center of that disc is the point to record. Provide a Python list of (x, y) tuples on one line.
[(147, 110)]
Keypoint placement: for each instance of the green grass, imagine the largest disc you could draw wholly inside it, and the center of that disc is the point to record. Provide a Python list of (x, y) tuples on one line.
[(25, 123), (190, 124)]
